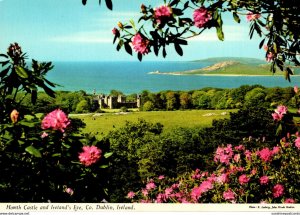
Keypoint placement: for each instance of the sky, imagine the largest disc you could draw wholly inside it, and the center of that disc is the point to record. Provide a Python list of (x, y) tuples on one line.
[(65, 30)]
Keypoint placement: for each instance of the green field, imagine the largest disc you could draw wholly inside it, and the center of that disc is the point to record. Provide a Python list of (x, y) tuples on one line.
[(101, 124)]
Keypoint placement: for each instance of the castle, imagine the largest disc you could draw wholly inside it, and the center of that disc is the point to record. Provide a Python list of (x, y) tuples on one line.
[(114, 102)]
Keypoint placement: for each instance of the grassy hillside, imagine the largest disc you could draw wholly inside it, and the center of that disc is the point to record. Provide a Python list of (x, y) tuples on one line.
[(101, 124), (251, 61)]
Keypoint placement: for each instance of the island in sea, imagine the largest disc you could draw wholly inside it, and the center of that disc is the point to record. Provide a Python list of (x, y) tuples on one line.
[(231, 66)]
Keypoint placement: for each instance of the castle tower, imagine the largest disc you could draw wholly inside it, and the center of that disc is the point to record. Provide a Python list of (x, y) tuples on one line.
[(138, 101)]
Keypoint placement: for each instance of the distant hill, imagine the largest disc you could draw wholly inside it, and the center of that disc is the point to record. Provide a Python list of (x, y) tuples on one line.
[(252, 61), (230, 66)]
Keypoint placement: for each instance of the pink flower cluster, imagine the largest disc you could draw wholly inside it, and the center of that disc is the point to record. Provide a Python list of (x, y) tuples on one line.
[(140, 44), (90, 155), (270, 57), (279, 112), (229, 195), (224, 155), (278, 190), (162, 13), (56, 120), (297, 142), (265, 154), (250, 16), (201, 17)]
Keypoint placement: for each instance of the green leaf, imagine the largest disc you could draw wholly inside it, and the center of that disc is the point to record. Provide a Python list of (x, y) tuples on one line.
[(56, 155), (33, 151), (236, 17), (109, 4), (66, 146), (21, 72), (279, 130), (107, 155), (103, 166), (128, 48), (178, 49), (220, 33), (3, 55), (219, 28), (27, 124)]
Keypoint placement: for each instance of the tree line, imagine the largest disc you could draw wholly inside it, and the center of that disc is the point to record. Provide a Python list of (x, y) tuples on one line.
[(205, 98)]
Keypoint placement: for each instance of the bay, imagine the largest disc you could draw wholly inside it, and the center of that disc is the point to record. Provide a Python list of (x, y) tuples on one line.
[(133, 77)]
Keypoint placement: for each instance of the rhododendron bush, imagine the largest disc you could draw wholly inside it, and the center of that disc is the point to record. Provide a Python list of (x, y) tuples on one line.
[(242, 175), (44, 159)]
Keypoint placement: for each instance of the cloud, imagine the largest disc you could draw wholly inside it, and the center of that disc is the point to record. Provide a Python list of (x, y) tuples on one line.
[(84, 37)]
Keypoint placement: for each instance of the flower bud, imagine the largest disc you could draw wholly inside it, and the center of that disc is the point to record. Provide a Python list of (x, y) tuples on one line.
[(120, 25), (14, 116), (143, 8)]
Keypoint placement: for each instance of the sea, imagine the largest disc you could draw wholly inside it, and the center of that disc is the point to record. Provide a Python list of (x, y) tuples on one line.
[(133, 77)]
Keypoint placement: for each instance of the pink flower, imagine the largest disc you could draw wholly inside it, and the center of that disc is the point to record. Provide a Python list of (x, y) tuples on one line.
[(222, 179), (44, 134), (248, 155), (201, 17), (277, 117), (253, 172), (90, 155), (168, 191), (150, 186), (69, 191), (276, 150), (161, 177), (161, 198), (265, 154), (281, 109), (290, 201), (297, 142), (278, 190), (162, 13), (56, 120), (196, 193), (243, 179), (240, 148), (266, 48), (296, 89), (140, 44), (270, 57), (115, 31), (250, 16), (229, 195), (145, 192), (237, 157), (224, 154), (205, 186), (175, 186), (264, 180), (130, 195)]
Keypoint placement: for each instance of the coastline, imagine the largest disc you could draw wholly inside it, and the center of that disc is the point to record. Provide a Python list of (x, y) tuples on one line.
[(225, 75)]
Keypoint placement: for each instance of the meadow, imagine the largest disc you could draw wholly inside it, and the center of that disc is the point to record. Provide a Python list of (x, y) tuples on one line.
[(101, 123)]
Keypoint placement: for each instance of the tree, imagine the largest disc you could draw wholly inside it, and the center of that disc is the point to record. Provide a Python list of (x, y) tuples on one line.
[(175, 21), (148, 106), (171, 101), (185, 100), (83, 106)]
